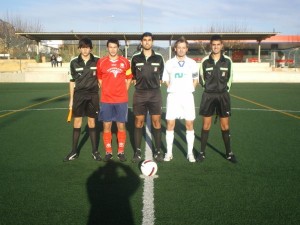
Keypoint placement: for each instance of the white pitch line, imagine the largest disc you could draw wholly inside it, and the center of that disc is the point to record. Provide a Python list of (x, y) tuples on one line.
[(267, 110), (148, 194)]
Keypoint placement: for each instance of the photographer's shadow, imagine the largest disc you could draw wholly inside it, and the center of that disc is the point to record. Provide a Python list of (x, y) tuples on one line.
[(109, 189)]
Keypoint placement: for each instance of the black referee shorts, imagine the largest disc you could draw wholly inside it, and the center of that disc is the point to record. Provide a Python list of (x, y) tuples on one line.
[(147, 100), (215, 103), (85, 104)]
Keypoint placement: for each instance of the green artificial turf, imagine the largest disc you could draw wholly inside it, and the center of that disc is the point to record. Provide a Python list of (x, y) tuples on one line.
[(262, 188)]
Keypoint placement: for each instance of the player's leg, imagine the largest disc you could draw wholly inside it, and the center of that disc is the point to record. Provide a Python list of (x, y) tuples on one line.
[(92, 109), (137, 135), (225, 113), (207, 109), (121, 115), (107, 137), (156, 132), (93, 136), (78, 112), (75, 139), (76, 132), (190, 138), (155, 110), (139, 111), (172, 110), (106, 115), (169, 139), (224, 123), (188, 106), (138, 130), (121, 136), (206, 121), (226, 138)]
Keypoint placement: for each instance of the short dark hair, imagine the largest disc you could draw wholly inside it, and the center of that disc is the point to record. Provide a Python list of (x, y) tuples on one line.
[(147, 34), (85, 42), (216, 38), (113, 40)]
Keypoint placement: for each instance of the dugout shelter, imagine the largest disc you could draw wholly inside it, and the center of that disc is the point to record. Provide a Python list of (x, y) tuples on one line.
[(159, 36)]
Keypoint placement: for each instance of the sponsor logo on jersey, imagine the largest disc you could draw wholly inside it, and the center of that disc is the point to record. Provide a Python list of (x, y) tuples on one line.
[(114, 71)]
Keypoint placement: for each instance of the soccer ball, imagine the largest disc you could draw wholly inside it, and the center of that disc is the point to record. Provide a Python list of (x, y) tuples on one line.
[(149, 168)]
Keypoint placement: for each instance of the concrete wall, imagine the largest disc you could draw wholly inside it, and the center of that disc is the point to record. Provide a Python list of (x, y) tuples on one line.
[(33, 72), (32, 77), (14, 65)]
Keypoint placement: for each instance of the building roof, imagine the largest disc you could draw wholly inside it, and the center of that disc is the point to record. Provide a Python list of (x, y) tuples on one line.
[(280, 42), (284, 39), (39, 36)]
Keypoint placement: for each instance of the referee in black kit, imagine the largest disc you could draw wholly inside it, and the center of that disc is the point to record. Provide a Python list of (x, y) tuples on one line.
[(147, 67), (216, 77)]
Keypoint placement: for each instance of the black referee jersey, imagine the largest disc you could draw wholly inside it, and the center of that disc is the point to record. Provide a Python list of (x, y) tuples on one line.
[(84, 74), (147, 72), (216, 77)]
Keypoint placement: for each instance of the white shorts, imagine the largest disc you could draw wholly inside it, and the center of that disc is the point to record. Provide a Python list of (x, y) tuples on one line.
[(180, 106)]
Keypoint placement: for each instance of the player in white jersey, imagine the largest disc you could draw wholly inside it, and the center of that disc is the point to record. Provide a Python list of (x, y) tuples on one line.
[(181, 75)]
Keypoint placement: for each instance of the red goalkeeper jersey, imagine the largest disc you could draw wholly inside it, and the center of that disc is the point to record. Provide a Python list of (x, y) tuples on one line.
[(114, 74)]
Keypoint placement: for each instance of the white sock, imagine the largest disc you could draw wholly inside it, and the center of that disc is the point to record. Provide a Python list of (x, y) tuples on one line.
[(169, 141), (190, 137)]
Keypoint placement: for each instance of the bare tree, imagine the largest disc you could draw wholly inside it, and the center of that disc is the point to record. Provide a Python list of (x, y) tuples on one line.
[(234, 46), (17, 46)]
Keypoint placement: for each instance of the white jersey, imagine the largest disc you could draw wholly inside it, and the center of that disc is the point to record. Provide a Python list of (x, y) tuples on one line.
[(180, 75)]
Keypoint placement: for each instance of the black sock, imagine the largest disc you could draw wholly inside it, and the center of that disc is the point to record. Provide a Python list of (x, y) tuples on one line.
[(204, 138), (157, 138), (138, 132), (76, 135), (92, 133), (226, 139)]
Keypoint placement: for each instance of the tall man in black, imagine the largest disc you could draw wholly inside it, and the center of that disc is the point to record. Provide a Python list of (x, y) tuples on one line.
[(216, 76), (147, 68)]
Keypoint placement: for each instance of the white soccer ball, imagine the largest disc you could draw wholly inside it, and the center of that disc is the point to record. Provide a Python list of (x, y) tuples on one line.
[(149, 168)]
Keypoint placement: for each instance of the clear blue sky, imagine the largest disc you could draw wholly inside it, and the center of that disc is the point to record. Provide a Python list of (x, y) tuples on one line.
[(157, 15)]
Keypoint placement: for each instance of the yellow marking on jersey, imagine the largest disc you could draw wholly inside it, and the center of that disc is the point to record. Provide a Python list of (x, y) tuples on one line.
[(128, 72)]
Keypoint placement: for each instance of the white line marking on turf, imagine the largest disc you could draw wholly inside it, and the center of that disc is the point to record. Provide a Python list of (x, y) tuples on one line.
[(267, 110), (148, 194)]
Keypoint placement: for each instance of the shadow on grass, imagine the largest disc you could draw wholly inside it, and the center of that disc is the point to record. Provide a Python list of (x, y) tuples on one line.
[(109, 189)]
